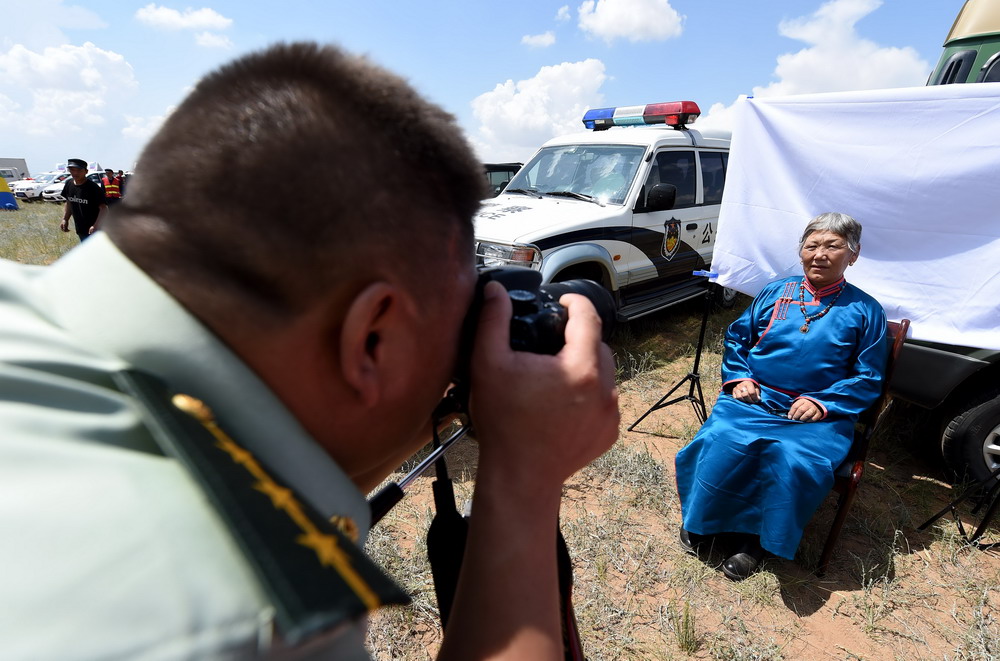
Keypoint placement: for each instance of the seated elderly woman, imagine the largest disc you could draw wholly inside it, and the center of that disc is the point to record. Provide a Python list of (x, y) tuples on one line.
[(800, 364)]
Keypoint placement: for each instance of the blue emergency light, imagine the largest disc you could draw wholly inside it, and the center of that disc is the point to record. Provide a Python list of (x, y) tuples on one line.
[(674, 113)]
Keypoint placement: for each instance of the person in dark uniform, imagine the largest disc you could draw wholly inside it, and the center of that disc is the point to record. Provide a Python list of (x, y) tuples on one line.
[(85, 200), (215, 334)]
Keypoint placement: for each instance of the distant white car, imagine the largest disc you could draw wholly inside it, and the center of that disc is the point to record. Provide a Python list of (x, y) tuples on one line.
[(31, 189), (53, 192)]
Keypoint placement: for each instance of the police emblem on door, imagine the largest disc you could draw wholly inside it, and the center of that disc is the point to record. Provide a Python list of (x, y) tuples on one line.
[(671, 238)]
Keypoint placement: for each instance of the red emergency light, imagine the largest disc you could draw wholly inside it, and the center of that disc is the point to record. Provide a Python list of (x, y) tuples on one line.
[(673, 113)]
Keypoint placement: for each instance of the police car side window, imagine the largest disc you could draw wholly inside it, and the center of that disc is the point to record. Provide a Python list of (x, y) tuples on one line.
[(713, 175), (677, 168)]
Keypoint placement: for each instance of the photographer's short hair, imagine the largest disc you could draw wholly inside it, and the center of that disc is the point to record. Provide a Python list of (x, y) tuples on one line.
[(289, 169), (838, 223)]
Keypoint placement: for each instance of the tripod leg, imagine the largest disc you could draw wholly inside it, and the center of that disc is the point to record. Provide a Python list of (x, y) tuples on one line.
[(993, 496), (659, 405), (699, 404), (965, 494)]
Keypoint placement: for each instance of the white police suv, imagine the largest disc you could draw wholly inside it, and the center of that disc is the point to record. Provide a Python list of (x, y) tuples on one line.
[(633, 204)]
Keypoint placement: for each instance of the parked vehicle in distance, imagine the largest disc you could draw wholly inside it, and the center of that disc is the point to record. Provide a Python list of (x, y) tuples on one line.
[(13, 169), (53, 192), (30, 190), (498, 175), (10, 175), (961, 385), (972, 47), (632, 203)]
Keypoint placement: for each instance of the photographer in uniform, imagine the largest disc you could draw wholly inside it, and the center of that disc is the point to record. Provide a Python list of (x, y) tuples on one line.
[(316, 328)]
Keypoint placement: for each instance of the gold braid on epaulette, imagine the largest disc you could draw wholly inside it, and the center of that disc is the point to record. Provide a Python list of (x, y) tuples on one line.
[(325, 546)]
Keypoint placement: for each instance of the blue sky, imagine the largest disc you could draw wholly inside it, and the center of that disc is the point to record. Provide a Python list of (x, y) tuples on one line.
[(94, 80)]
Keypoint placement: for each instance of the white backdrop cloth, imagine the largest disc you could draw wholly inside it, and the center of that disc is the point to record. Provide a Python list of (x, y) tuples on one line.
[(918, 167)]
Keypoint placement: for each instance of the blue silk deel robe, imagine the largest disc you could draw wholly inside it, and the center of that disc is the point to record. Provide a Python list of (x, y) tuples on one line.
[(752, 470)]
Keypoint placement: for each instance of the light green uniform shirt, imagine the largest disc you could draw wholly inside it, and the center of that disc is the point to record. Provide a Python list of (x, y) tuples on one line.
[(107, 548)]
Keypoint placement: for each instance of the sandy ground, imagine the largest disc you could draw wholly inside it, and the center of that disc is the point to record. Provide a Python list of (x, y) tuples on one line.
[(891, 592)]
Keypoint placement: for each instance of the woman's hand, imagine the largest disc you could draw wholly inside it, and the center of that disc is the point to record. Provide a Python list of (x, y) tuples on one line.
[(747, 391), (804, 410)]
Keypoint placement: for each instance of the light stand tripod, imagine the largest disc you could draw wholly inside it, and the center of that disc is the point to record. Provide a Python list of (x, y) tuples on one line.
[(693, 378), (991, 499)]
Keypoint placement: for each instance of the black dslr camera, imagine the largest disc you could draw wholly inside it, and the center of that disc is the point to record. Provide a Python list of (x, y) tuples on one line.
[(538, 323)]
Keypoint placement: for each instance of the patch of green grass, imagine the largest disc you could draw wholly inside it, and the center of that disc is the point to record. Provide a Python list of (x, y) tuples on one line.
[(683, 626), (736, 641), (761, 589), (636, 473), (629, 365), (401, 632), (980, 639), (31, 235)]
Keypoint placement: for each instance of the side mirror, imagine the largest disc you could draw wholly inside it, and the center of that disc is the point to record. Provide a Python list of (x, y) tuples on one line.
[(661, 197)]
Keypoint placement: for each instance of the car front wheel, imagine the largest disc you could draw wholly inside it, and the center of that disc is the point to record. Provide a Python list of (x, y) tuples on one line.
[(725, 297), (971, 440)]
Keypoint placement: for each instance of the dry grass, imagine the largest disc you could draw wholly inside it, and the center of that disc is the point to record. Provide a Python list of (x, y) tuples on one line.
[(890, 593), (31, 235)]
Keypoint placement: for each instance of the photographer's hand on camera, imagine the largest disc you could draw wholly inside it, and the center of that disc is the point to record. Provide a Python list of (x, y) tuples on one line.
[(538, 420), (541, 418)]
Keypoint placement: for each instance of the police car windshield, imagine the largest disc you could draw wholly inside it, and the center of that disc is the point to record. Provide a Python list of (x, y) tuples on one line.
[(601, 172)]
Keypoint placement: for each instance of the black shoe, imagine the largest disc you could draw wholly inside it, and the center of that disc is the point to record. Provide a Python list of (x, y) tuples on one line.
[(745, 562), (690, 541)]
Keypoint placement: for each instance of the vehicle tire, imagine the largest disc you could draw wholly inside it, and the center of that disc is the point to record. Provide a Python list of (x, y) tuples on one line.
[(970, 441), (725, 297)]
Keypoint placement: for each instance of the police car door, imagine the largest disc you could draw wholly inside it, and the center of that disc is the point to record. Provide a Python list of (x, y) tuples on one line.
[(666, 243), (713, 178)]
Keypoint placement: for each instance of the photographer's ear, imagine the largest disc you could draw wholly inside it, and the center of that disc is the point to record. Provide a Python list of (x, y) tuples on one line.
[(370, 341)]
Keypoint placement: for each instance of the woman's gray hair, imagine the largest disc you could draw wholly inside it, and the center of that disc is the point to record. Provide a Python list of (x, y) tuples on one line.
[(838, 223)]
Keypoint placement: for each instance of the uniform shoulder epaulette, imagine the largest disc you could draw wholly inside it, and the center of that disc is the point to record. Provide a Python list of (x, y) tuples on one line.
[(314, 575)]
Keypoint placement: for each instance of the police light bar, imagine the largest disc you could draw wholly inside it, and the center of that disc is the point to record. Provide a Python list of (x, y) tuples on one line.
[(675, 113)]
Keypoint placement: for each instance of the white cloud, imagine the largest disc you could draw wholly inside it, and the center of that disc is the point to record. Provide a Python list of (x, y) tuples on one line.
[(563, 13), (634, 20), (62, 89), (142, 129), (837, 59), (212, 40), (40, 23), (539, 40), (515, 118), (190, 19)]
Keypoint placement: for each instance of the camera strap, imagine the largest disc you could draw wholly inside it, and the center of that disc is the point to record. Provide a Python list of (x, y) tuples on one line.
[(446, 540)]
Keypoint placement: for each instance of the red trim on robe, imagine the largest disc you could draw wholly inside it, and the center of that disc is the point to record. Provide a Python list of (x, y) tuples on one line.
[(825, 291)]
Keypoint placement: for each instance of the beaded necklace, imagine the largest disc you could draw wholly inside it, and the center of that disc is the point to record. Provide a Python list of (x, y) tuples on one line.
[(822, 313)]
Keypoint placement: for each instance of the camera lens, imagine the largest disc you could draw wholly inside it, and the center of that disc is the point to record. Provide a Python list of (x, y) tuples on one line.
[(598, 295)]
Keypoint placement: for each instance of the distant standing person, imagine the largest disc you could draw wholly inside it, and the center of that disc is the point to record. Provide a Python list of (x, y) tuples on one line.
[(121, 183), (112, 187), (84, 200)]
